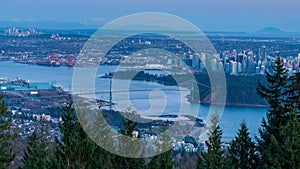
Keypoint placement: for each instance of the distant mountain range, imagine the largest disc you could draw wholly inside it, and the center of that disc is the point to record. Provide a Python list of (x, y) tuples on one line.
[(46, 25), (270, 30), (75, 26), (273, 31)]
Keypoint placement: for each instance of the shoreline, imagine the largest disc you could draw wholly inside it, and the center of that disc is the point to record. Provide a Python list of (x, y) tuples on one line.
[(237, 105), (203, 103)]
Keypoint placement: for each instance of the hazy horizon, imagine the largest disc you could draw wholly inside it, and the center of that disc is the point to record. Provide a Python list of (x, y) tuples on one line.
[(57, 25), (231, 15)]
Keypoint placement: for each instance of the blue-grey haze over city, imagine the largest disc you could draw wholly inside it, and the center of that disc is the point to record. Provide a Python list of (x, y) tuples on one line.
[(213, 15)]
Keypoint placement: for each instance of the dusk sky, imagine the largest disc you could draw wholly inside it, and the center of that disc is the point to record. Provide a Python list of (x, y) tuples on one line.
[(208, 15)]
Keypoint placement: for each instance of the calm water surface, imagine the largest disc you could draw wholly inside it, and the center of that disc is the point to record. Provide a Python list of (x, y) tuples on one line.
[(162, 100)]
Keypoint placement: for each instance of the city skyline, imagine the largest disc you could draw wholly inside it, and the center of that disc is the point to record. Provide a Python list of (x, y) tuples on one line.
[(232, 15)]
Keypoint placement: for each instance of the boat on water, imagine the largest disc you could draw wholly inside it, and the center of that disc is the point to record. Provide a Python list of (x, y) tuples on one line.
[(50, 63)]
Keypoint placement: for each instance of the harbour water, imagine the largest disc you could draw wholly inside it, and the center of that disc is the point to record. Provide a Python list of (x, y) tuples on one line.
[(163, 99)]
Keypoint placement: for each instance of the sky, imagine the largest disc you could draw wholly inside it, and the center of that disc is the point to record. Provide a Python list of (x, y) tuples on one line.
[(207, 15)]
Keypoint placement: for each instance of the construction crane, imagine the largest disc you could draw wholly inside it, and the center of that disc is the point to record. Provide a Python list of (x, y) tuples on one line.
[(71, 61)]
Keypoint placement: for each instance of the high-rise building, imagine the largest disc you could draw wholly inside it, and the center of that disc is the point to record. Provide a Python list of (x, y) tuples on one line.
[(257, 56), (257, 70), (234, 68), (234, 54), (259, 63), (298, 60), (227, 68), (203, 59), (239, 67), (263, 53), (262, 70), (220, 66), (196, 61), (240, 57), (251, 66), (244, 65), (214, 66), (177, 60)]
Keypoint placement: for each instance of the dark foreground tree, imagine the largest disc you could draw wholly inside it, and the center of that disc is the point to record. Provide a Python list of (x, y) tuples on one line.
[(37, 154), (278, 142), (294, 92), (274, 93), (129, 126), (164, 160), (75, 149), (214, 157), (291, 152), (243, 150), (6, 136)]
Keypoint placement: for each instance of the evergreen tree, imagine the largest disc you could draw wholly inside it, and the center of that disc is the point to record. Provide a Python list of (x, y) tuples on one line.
[(272, 156), (294, 92), (154, 163), (214, 157), (275, 94), (291, 133), (67, 147), (164, 160), (242, 150), (129, 127), (6, 136), (277, 142), (36, 156), (75, 149)]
